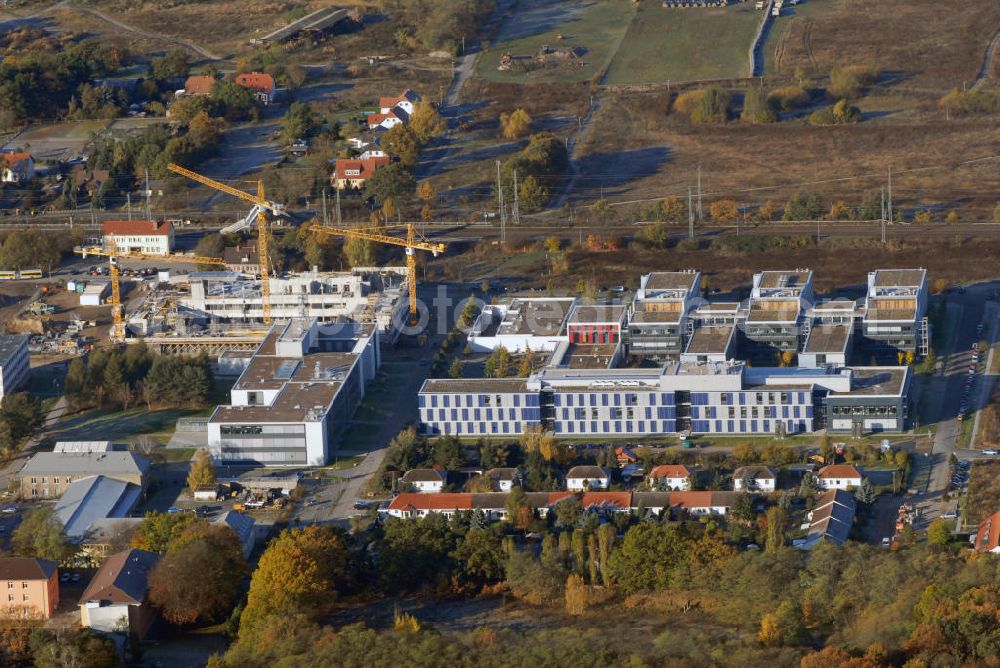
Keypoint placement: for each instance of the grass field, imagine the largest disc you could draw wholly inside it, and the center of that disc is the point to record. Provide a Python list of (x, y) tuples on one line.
[(595, 25), (685, 44), (927, 43)]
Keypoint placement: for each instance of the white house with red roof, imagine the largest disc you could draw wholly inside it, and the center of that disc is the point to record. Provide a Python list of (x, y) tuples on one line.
[(16, 167), (351, 173), (140, 236), (670, 477), (839, 476), (198, 84), (261, 84), (384, 121), (405, 102), (988, 535)]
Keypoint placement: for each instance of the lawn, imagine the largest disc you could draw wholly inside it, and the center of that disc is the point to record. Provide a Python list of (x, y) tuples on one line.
[(596, 26), (120, 426), (685, 44)]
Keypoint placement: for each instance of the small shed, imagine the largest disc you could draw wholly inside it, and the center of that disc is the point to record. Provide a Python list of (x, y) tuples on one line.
[(206, 493)]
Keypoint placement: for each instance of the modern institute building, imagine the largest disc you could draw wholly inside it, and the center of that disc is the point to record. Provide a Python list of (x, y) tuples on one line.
[(14, 362), (296, 395), (670, 362)]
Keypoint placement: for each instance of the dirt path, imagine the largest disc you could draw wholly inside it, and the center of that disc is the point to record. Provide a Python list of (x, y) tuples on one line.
[(991, 51), (142, 33), (571, 143)]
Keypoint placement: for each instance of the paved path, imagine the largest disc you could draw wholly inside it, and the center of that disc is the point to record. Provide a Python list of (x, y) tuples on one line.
[(51, 420), (991, 50)]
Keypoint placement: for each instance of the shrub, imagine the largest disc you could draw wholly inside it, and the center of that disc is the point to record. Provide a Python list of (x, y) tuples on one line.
[(713, 106), (847, 82), (788, 97), (971, 102), (687, 102), (724, 211), (841, 113), (757, 107), (803, 206), (688, 245)]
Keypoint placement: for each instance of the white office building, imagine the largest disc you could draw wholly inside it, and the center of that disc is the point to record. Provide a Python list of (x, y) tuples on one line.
[(14, 363)]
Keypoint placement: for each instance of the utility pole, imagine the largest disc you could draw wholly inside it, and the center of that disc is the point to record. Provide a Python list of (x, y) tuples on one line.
[(890, 194), (503, 220), (701, 215), (338, 207), (149, 195), (517, 204), (882, 219), (326, 219), (690, 216), (128, 201)]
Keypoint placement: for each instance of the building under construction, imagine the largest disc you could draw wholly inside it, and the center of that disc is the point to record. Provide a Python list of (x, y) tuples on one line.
[(222, 304)]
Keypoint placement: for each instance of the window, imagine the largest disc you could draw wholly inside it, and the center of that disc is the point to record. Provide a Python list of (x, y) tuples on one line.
[(498, 400), (24, 585), (24, 597), (630, 399), (55, 480), (784, 397), (629, 413), (760, 397), (10, 585), (732, 412), (593, 413), (10, 597), (581, 414), (616, 413)]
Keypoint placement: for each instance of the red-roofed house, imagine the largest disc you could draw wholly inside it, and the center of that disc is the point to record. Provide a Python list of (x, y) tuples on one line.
[(385, 121), (404, 103), (199, 85), (703, 503), (349, 173), (140, 236), (670, 477), (261, 84), (988, 536), (16, 167), (839, 476), (407, 506)]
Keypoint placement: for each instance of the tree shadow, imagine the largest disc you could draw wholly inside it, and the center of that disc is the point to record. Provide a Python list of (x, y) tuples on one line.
[(610, 171)]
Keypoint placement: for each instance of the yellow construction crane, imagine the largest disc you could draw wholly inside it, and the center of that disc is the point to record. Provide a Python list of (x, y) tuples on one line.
[(114, 257), (261, 206), (412, 243)]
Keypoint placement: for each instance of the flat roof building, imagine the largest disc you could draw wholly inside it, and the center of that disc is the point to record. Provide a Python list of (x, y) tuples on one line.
[(140, 236), (296, 396), (895, 318), (659, 314), (523, 323)]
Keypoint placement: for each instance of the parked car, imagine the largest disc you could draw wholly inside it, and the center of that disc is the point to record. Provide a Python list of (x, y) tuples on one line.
[(991, 452), (887, 542), (950, 515)]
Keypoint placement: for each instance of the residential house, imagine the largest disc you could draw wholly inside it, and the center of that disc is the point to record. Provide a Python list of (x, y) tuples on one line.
[(586, 478), (16, 167), (988, 535), (47, 475), (761, 479), (384, 121), (199, 85), (493, 504), (243, 258), (830, 520), (15, 360), (117, 599), (105, 537), (694, 504), (242, 525), (350, 173), (670, 477), (94, 499), (502, 479), (425, 480), (404, 103), (262, 85), (89, 182), (32, 587), (839, 476), (626, 456), (140, 236)]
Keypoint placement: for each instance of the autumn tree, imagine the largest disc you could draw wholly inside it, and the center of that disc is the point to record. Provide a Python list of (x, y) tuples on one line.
[(301, 572), (202, 473), (757, 107), (158, 530), (576, 595), (776, 519), (939, 532), (214, 552), (515, 125), (359, 252), (724, 211), (40, 534), (498, 363), (402, 142), (426, 122)]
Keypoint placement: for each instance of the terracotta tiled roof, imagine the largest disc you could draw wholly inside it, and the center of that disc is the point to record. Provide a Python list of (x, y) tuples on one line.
[(988, 536), (702, 499), (137, 227), (839, 471), (256, 81), (670, 471), (13, 158), (199, 85), (444, 501), (365, 168), (390, 102), (376, 119)]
